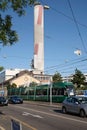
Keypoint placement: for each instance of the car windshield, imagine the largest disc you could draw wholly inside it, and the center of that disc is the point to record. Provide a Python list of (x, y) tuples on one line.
[(82, 100)]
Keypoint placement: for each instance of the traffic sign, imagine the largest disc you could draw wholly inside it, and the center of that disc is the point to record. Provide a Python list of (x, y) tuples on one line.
[(15, 125)]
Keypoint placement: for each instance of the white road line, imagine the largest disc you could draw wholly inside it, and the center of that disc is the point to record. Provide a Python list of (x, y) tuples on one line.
[(1, 128), (26, 114), (72, 119)]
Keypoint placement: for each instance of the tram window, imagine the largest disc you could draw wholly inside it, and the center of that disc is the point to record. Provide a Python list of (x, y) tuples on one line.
[(53, 91), (31, 92), (57, 91), (61, 91), (38, 92), (41, 92), (45, 92)]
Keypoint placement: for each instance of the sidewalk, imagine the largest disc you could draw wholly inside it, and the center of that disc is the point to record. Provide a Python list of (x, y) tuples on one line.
[(50, 104)]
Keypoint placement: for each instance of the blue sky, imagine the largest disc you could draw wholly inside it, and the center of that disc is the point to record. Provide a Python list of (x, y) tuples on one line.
[(61, 38)]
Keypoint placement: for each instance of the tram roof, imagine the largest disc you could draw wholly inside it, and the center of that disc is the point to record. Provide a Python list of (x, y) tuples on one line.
[(62, 84), (56, 85)]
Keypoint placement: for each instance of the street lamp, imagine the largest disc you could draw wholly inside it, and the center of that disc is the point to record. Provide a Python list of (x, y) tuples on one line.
[(46, 7)]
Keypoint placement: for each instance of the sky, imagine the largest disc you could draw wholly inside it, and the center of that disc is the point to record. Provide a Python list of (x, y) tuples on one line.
[(65, 32)]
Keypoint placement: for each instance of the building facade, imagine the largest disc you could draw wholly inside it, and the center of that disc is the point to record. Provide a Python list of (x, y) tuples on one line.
[(8, 73), (22, 77)]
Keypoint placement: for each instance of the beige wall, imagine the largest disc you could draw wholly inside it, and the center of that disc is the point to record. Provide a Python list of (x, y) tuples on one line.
[(24, 80)]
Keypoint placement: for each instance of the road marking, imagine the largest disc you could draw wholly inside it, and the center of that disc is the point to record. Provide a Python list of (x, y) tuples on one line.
[(1, 128), (80, 121), (26, 114), (25, 124)]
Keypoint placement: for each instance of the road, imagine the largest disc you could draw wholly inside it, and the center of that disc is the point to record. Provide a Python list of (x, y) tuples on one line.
[(40, 117)]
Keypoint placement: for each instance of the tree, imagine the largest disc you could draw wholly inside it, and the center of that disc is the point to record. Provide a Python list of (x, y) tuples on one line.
[(78, 78), (1, 68), (7, 35), (33, 84), (13, 85), (57, 77), (9, 86)]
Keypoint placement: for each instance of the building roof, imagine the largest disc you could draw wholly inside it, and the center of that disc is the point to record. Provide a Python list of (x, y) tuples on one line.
[(21, 78), (20, 74)]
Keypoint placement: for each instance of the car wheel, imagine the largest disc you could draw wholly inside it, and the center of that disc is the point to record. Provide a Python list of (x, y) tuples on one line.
[(64, 110), (82, 113)]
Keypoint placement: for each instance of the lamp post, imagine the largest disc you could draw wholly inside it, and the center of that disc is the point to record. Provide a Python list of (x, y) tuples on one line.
[(50, 90), (2, 86)]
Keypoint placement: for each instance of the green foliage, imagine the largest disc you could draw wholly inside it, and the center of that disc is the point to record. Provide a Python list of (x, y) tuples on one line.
[(78, 78), (7, 35), (14, 85), (57, 77), (9, 86), (33, 84), (17, 5), (1, 68)]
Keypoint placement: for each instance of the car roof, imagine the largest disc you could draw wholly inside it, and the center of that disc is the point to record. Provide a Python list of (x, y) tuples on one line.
[(77, 96), (2, 97)]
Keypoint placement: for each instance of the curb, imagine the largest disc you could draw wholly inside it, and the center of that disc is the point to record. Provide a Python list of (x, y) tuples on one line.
[(48, 104)]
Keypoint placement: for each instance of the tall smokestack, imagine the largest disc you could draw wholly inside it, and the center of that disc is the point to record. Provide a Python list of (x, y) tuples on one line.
[(38, 38)]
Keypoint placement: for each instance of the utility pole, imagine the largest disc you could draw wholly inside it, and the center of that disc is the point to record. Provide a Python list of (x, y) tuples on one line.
[(50, 90)]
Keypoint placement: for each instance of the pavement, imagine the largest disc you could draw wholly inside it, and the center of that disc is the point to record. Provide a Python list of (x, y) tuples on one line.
[(39, 103)]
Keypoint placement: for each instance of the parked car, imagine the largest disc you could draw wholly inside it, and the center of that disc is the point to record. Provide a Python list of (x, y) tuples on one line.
[(3, 101), (15, 100), (75, 104)]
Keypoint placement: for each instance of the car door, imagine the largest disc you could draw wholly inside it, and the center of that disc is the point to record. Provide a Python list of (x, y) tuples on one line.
[(69, 104), (74, 105)]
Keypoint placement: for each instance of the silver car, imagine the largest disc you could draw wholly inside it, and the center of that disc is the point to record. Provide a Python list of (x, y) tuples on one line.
[(75, 104)]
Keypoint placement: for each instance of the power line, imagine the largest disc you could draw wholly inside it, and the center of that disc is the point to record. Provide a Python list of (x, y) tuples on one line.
[(73, 19), (62, 13), (77, 26), (77, 23), (81, 58), (68, 17), (63, 65)]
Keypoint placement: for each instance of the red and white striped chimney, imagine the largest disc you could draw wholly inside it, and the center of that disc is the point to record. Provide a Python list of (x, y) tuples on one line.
[(39, 38)]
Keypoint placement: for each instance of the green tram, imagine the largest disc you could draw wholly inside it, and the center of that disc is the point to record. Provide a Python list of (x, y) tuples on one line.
[(58, 91)]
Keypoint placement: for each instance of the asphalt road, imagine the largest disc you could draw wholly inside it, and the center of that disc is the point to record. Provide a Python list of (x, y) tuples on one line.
[(36, 116)]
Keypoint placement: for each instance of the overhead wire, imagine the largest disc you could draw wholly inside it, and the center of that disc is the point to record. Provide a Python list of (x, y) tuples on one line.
[(62, 66), (62, 13), (77, 23), (81, 58), (77, 26)]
